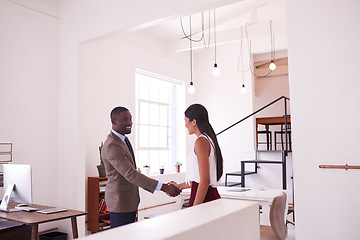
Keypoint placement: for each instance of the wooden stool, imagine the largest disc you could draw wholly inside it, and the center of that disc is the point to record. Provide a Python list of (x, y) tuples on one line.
[(268, 139), (282, 132)]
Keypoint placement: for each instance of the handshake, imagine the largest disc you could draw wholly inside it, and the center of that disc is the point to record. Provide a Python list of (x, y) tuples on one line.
[(172, 189)]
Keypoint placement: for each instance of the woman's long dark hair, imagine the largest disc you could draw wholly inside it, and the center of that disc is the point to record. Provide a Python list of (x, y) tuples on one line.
[(200, 114)]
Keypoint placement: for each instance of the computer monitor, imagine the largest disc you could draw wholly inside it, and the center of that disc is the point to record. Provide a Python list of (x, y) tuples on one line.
[(17, 177)]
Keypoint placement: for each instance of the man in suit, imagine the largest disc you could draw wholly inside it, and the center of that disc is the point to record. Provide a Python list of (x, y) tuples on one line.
[(122, 188)]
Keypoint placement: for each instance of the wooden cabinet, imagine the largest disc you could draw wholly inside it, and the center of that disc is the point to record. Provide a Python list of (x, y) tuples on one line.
[(14, 230), (97, 220)]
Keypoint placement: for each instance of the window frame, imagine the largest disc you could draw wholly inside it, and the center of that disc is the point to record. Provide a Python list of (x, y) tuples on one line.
[(174, 105)]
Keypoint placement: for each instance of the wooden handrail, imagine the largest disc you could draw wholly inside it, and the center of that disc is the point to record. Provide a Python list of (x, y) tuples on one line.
[(346, 167)]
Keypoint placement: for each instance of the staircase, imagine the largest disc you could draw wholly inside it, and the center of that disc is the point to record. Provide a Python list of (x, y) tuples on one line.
[(242, 173), (256, 162)]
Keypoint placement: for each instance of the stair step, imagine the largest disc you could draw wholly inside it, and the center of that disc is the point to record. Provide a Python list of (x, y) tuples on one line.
[(279, 151), (230, 184), (262, 161), (238, 173)]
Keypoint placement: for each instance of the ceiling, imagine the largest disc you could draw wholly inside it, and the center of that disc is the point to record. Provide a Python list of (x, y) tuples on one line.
[(228, 18)]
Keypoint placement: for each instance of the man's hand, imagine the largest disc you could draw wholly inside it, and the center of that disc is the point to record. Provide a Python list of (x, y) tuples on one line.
[(174, 183), (170, 190)]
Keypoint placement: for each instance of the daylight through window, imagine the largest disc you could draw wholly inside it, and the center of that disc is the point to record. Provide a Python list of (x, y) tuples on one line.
[(159, 103)]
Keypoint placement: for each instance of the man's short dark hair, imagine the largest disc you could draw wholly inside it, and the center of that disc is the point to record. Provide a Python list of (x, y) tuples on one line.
[(117, 110)]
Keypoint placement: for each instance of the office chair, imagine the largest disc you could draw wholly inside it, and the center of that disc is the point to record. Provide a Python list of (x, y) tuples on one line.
[(277, 230)]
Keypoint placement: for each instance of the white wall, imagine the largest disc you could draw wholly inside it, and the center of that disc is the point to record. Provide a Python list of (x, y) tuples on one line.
[(40, 91), (325, 112), (29, 93), (108, 72), (224, 102), (226, 105), (267, 89), (111, 63), (104, 17), (325, 202)]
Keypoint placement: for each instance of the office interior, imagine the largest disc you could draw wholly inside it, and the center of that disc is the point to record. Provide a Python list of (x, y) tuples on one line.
[(66, 64)]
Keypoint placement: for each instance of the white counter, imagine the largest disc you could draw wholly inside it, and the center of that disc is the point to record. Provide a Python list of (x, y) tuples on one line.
[(220, 219), (264, 197), (158, 202)]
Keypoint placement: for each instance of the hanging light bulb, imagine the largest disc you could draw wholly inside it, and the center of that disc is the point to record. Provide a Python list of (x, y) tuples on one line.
[(216, 70), (243, 89), (191, 88), (241, 56), (272, 65)]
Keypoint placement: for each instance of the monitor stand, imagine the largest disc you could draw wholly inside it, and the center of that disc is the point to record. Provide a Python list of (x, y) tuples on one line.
[(5, 201)]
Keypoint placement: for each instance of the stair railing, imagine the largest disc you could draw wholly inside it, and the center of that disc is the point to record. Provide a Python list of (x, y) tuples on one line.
[(259, 110)]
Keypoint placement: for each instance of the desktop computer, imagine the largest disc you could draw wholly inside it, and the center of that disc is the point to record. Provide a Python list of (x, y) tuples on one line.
[(17, 185), (18, 188)]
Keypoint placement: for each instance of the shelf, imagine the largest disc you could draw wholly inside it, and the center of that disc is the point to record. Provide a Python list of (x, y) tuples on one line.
[(104, 214), (95, 218)]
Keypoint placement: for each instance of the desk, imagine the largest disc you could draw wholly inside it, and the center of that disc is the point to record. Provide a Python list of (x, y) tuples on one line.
[(34, 219), (267, 121), (264, 198)]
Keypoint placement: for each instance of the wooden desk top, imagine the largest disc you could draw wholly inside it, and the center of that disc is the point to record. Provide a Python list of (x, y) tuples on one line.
[(36, 218), (272, 120)]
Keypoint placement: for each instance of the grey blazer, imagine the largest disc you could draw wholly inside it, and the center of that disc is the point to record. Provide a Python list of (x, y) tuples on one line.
[(122, 188)]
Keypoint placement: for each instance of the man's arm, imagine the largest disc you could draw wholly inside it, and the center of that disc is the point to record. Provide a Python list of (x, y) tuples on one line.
[(126, 169)]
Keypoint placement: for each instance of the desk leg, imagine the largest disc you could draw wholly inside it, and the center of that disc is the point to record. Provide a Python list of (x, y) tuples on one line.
[(34, 231), (74, 227)]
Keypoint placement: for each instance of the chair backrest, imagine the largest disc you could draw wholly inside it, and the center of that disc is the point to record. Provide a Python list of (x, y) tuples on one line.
[(277, 217), (288, 126)]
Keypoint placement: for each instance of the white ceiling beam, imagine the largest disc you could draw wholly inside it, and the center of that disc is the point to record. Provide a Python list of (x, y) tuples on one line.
[(254, 16), (245, 10), (279, 3)]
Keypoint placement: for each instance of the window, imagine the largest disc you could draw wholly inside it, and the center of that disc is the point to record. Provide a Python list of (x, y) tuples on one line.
[(159, 124)]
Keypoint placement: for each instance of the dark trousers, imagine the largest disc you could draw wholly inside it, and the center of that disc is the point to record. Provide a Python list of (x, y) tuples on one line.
[(120, 219)]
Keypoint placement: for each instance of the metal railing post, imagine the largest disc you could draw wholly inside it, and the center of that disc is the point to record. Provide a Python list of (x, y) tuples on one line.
[(286, 129)]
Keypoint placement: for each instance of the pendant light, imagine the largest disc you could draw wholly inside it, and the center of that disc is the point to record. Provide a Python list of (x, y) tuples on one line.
[(251, 55), (243, 89), (216, 70), (272, 65), (191, 88)]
